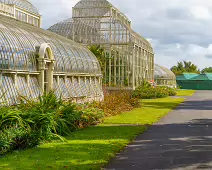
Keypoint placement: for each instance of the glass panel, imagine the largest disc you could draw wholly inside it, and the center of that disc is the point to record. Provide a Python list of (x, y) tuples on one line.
[(9, 91), (83, 87), (95, 87), (28, 48), (63, 88), (16, 48), (5, 58), (85, 61), (6, 55), (2, 100), (90, 89), (98, 87), (34, 87), (22, 86), (71, 63), (56, 88), (79, 60), (71, 87), (77, 87)]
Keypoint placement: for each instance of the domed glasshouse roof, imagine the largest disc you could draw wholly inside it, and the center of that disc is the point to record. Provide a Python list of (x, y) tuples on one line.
[(163, 72), (164, 76), (24, 4), (68, 54), (63, 28), (67, 67)]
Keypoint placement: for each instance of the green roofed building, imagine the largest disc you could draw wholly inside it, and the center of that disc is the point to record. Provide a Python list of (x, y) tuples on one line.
[(195, 81), (186, 76)]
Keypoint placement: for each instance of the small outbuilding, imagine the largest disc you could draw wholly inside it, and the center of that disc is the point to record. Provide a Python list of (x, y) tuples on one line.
[(195, 81), (164, 76)]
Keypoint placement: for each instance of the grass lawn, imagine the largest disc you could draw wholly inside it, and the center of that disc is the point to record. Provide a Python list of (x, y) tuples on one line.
[(90, 148), (185, 92), (150, 113)]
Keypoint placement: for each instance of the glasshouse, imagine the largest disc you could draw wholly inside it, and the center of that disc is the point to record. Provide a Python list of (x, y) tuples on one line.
[(33, 60), (129, 57), (164, 76)]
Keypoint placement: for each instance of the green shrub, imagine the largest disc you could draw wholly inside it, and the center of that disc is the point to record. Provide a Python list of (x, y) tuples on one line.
[(90, 116), (21, 138), (10, 117), (146, 91), (32, 122), (161, 92), (5, 143), (14, 130), (135, 102), (72, 116), (170, 91), (80, 116), (15, 138), (49, 116)]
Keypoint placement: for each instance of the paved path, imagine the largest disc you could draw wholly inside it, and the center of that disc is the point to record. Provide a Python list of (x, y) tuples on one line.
[(181, 140)]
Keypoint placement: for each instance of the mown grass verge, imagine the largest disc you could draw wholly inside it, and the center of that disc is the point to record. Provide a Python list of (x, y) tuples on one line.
[(91, 148), (185, 92), (150, 113)]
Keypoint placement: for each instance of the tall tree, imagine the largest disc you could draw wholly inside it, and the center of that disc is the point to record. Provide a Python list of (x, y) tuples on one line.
[(207, 70), (184, 67)]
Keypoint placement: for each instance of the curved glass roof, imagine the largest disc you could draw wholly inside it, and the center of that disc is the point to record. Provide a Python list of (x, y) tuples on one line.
[(90, 23), (24, 4), (63, 28), (66, 28), (17, 49), (163, 72), (69, 27)]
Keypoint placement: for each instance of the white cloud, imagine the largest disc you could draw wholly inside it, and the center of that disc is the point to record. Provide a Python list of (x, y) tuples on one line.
[(209, 50), (200, 12), (208, 53), (178, 45)]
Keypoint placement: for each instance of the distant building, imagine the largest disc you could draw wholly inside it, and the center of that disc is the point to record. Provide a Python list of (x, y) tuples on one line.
[(164, 76), (195, 81)]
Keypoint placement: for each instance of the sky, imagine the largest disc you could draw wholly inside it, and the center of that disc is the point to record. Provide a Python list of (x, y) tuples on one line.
[(177, 29)]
